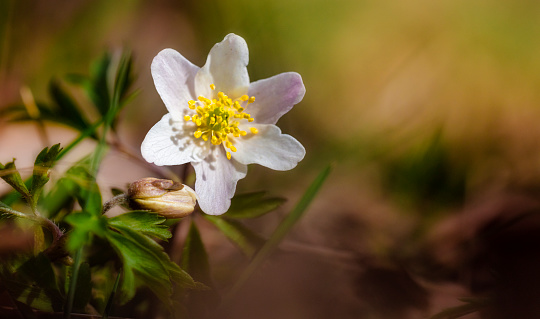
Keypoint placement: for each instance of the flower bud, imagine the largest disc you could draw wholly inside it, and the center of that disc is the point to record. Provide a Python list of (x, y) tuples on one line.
[(165, 197)]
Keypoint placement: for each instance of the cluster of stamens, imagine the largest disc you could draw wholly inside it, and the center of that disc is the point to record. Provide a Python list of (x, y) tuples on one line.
[(217, 119)]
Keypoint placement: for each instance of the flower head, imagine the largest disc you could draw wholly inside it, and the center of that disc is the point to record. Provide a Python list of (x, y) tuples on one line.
[(219, 121)]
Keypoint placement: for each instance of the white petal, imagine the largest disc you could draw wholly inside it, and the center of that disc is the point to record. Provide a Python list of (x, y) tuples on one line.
[(172, 143), (225, 68), (268, 148), (216, 181), (174, 78), (275, 96)]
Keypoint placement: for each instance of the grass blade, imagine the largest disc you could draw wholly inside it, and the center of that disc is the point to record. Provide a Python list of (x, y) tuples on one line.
[(281, 231)]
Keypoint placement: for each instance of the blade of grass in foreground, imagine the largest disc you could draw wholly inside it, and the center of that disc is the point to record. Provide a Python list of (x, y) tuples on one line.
[(281, 231)]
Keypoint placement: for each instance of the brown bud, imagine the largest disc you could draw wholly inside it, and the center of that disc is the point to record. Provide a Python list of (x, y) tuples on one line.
[(165, 197)]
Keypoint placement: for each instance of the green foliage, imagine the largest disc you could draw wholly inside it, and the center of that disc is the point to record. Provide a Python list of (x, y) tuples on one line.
[(44, 162), (10, 174), (84, 225), (252, 205), (426, 174), (195, 258), (83, 249), (65, 110), (145, 261), (198, 303), (283, 229), (38, 289), (83, 292), (248, 242), (147, 223)]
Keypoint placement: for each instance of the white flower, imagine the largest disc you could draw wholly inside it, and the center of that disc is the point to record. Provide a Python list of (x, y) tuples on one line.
[(219, 121)]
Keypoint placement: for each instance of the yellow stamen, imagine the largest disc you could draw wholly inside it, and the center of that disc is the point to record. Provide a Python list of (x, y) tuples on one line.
[(254, 130), (218, 119)]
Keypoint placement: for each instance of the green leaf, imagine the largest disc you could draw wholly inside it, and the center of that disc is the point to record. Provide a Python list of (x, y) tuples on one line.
[(282, 230), (98, 88), (145, 260), (245, 239), (10, 174), (8, 212), (148, 223), (194, 257), (67, 109), (84, 225), (83, 186), (42, 165), (83, 292), (252, 205), (38, 289), (198, 303)]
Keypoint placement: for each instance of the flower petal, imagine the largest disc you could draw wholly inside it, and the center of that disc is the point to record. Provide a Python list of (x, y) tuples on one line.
[(216, 181), (275, 96), (174, 80), (268, 148), (225, 68), (172, 143)]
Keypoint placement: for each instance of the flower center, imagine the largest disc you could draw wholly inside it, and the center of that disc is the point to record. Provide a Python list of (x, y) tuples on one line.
[(218, 119)]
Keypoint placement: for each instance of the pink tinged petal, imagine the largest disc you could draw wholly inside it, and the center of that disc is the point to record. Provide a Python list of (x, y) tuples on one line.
[(216, 181), (172, 143), (174, 79), (275, 96), (225, 68), (268, 148)]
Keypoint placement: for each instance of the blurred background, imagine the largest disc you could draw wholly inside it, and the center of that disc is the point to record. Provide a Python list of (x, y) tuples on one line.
[(429, 111)]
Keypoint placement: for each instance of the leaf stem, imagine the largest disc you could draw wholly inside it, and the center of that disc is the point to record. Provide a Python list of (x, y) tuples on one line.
[(281, 231), (116, 200), (108, 307), (73, 284)]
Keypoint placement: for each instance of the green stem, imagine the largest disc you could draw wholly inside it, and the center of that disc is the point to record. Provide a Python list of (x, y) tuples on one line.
[(282, 230), (89, 131), (108, 307), (73, 284)]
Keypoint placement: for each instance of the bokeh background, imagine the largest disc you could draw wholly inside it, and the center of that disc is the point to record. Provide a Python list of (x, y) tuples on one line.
[(428, 110)]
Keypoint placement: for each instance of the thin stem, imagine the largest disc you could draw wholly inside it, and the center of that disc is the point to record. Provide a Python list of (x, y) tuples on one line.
[(108, 307), (116, 200), (281, 231), (73, 284), (89, 131)]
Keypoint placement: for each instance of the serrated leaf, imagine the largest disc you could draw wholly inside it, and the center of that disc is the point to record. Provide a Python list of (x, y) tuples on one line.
[(8, 212), (148, 223), (244, 238), (83, 186), (84, 225), (77, 183), (10, 174), (144, 260), (42, 165), (67, 107), (253, 205), (27, 283), (98, 88)]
